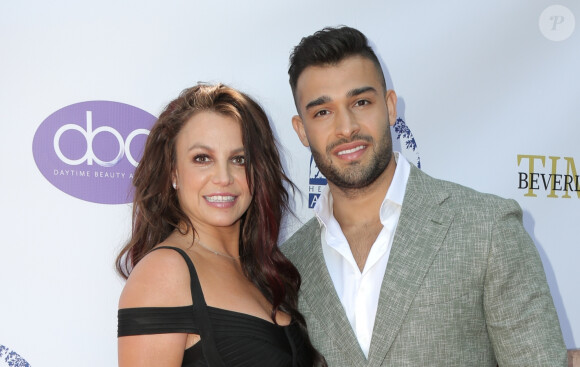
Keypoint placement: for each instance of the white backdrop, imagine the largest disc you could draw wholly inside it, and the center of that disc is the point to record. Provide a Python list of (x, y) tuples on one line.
[(479, 84)]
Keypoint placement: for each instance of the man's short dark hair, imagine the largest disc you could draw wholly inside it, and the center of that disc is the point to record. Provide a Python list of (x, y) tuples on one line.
[(329, 46)]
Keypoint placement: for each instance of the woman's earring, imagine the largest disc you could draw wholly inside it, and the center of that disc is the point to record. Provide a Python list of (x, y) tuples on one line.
[(174, 185)]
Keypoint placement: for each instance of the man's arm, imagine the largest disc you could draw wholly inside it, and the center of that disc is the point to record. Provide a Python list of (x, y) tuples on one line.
[(520, 314)]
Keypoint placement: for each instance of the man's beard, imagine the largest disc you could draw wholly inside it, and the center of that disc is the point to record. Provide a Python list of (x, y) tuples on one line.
[(355, 175)]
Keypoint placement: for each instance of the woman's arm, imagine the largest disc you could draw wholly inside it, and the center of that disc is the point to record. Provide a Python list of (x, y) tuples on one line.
[(160, 279)]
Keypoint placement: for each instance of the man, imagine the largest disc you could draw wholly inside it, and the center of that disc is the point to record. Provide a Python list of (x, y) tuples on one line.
[(398, 268)]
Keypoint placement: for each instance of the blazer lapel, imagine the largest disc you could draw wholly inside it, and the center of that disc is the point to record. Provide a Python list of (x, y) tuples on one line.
[(420, 232), (318, 292)]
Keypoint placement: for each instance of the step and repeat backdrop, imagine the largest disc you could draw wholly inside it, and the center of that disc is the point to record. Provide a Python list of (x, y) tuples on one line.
[(489, 96)]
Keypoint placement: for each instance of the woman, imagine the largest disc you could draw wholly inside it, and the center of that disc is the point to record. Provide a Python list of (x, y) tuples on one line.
[(206, 282)]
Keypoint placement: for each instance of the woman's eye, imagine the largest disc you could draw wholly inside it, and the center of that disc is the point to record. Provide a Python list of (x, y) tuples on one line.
[(201, 158), (239, 160)]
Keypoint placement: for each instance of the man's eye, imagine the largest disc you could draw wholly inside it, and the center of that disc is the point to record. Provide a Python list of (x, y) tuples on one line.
[(321, 113), (362, 102)]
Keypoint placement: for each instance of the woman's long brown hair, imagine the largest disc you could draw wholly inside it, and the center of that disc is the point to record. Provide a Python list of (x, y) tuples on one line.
[(156, 209)]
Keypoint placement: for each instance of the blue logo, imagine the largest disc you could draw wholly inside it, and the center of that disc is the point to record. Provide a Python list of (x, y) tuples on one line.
[(403, 141), (317, 183), (402, 134), (10, 358)]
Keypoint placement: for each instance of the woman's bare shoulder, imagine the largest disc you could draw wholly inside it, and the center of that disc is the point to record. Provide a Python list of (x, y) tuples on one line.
[(160, 279)]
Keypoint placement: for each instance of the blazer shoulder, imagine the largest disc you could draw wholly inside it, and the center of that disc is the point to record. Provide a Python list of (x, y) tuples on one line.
[(460, 197), (302, 239)]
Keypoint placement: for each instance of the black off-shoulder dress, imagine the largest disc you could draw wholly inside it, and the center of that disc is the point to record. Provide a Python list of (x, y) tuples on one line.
[(228, 338)]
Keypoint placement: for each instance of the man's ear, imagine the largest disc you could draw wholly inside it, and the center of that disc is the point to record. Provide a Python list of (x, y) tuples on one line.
[(391, 100), (298, 125)]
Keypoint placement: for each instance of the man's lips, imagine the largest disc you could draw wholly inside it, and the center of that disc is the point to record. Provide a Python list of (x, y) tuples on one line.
[(350, 151)]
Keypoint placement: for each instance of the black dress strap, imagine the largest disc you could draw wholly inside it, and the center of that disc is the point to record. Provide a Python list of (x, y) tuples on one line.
[(200, 313)]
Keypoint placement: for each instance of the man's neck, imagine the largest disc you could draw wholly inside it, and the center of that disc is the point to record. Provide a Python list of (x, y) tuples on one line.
[(360, 206), (358, 213)]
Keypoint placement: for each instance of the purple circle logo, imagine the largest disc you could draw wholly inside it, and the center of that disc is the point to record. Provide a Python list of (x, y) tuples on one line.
[(90, 149)]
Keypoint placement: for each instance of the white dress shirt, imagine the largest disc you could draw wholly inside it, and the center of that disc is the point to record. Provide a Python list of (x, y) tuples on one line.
[(359, 291)]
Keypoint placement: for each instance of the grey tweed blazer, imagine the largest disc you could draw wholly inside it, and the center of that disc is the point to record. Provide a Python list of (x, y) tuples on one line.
[(464, 286)]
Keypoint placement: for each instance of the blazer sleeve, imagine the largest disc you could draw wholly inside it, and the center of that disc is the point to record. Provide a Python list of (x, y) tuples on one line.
[(520, 314)]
